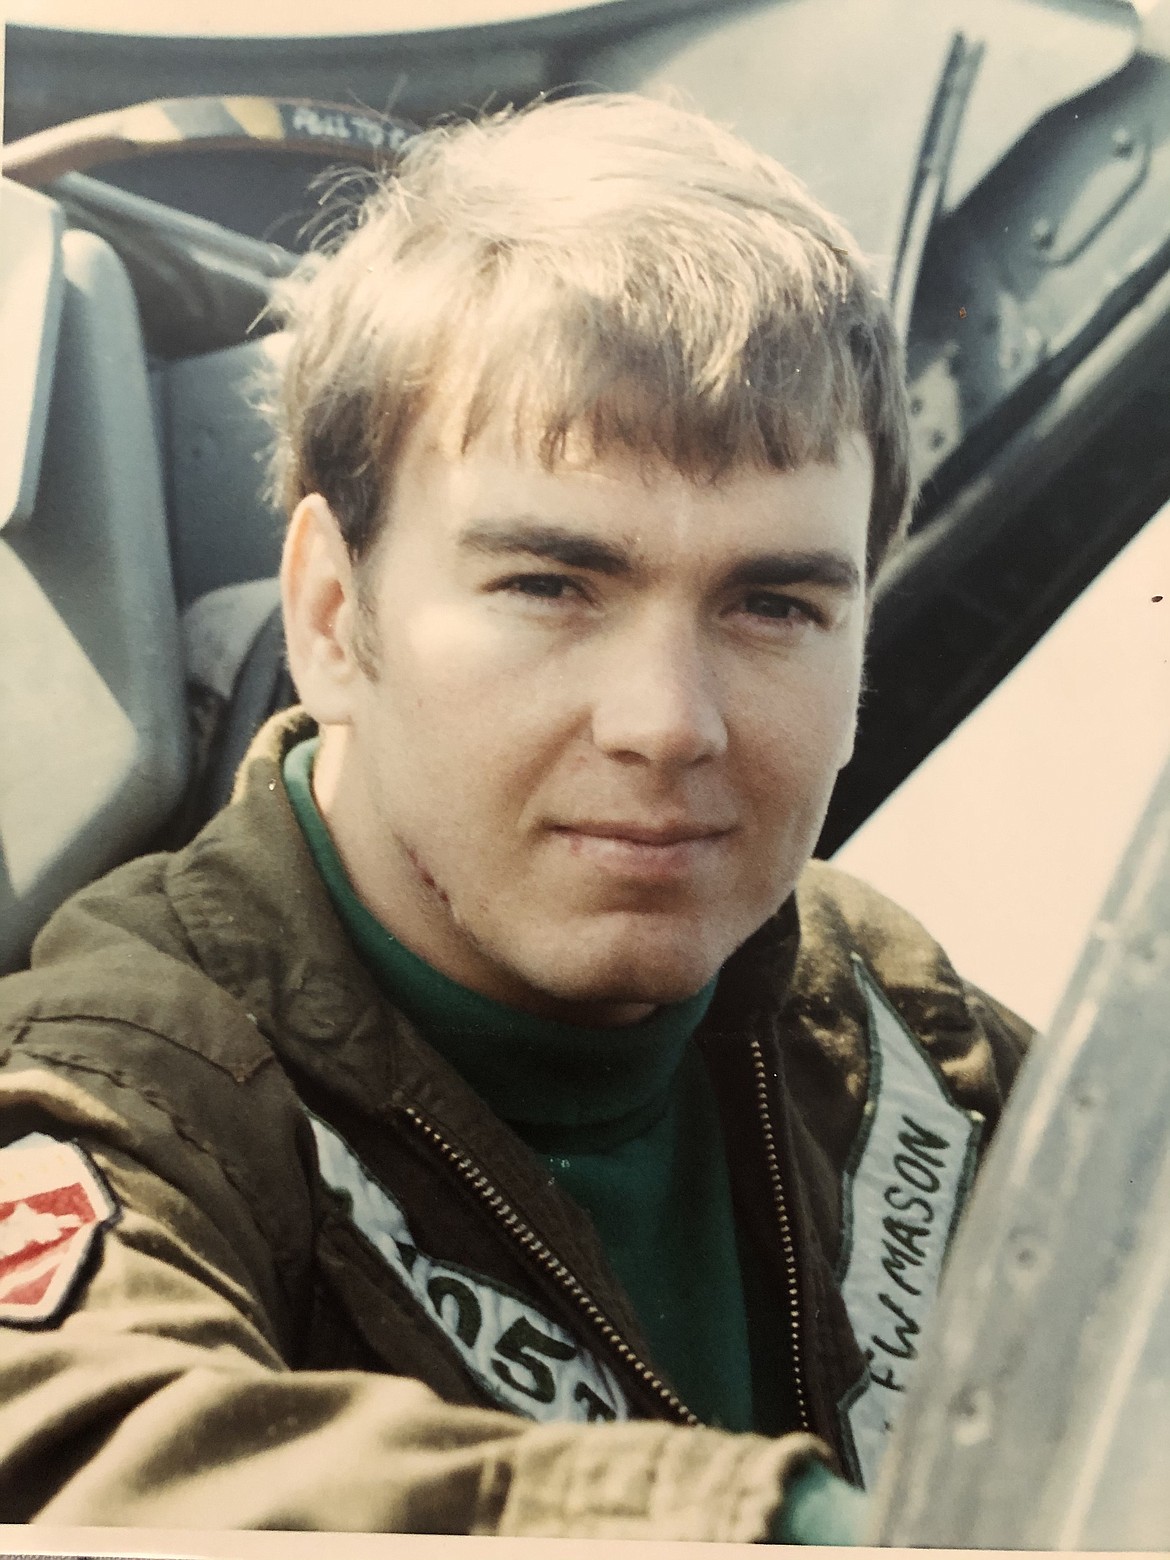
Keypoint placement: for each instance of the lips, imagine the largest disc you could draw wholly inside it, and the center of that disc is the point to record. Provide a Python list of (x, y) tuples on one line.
[(660, 834), (646, 853)]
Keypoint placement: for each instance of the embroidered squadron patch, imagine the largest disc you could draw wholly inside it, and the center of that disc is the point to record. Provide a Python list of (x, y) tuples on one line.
[(905, 1187), (53, 1206), (522, 1358)]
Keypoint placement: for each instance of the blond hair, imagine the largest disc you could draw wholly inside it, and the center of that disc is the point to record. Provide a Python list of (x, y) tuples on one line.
[(607, 267)]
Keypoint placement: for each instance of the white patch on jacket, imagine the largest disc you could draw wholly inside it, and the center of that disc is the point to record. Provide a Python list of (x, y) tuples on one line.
[(523, 1359), (905, 1186)]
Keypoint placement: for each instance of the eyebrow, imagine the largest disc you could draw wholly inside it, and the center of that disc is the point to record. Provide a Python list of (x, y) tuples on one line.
[(538, 539), (574, 550), (835, 570)]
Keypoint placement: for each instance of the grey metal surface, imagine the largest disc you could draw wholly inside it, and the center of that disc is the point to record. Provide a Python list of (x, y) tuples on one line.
[(223, 527), (1040, 1417), (30, 312), (1038, 53), (91, 688), (1042, 259)]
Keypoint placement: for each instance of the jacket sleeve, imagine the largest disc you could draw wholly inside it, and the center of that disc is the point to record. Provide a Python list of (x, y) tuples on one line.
[(162, 1397)]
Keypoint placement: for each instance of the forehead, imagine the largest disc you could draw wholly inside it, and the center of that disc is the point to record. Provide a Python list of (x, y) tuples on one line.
[(640, 499)]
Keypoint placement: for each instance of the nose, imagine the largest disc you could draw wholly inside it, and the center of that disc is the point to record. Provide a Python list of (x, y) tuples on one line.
[(659, 700)]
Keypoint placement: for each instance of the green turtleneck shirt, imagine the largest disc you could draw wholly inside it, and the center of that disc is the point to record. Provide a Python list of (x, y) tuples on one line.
[(626, 1121)]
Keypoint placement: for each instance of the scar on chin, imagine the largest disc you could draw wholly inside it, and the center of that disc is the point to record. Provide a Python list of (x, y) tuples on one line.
[(425, 877)]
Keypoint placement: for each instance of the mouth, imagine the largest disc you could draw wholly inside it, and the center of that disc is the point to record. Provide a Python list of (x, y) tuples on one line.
[(658, 851), (662, 834)]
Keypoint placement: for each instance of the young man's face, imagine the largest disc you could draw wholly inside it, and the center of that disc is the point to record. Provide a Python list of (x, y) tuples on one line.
[(600, 714)]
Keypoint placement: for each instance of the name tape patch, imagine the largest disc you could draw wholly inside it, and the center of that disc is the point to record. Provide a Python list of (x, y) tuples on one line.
[(53, 1206), (522, 1358), (908, 1179)]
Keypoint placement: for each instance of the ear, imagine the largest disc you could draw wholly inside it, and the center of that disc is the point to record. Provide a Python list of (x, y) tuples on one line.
[(319, 595)]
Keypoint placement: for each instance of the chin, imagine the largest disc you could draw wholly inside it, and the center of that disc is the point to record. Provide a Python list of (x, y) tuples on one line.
[(636, 971)]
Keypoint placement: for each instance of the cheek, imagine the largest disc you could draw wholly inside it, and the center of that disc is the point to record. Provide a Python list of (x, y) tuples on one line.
[(466, 720), (801, 733), (460, 659)]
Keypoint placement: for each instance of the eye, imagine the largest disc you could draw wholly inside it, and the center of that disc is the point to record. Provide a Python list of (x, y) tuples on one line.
[(773, 607), (541, 587), (548, 587)]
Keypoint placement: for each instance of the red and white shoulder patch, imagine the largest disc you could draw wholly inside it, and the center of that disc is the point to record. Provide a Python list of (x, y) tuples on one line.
[(53, 1207)]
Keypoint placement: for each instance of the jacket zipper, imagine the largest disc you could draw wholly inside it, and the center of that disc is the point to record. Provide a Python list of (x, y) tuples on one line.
[(772, 1156), (535, 1248)]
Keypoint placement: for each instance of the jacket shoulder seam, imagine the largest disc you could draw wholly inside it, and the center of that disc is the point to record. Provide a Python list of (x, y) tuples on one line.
[(239, 1073), (237, 1178)]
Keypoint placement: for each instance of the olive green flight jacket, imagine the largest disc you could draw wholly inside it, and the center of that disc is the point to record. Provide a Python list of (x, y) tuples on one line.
[(338, 1293)]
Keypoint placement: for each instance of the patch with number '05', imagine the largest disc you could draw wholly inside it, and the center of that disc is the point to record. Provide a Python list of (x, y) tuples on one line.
[(53, 1206), (523, 1359)]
